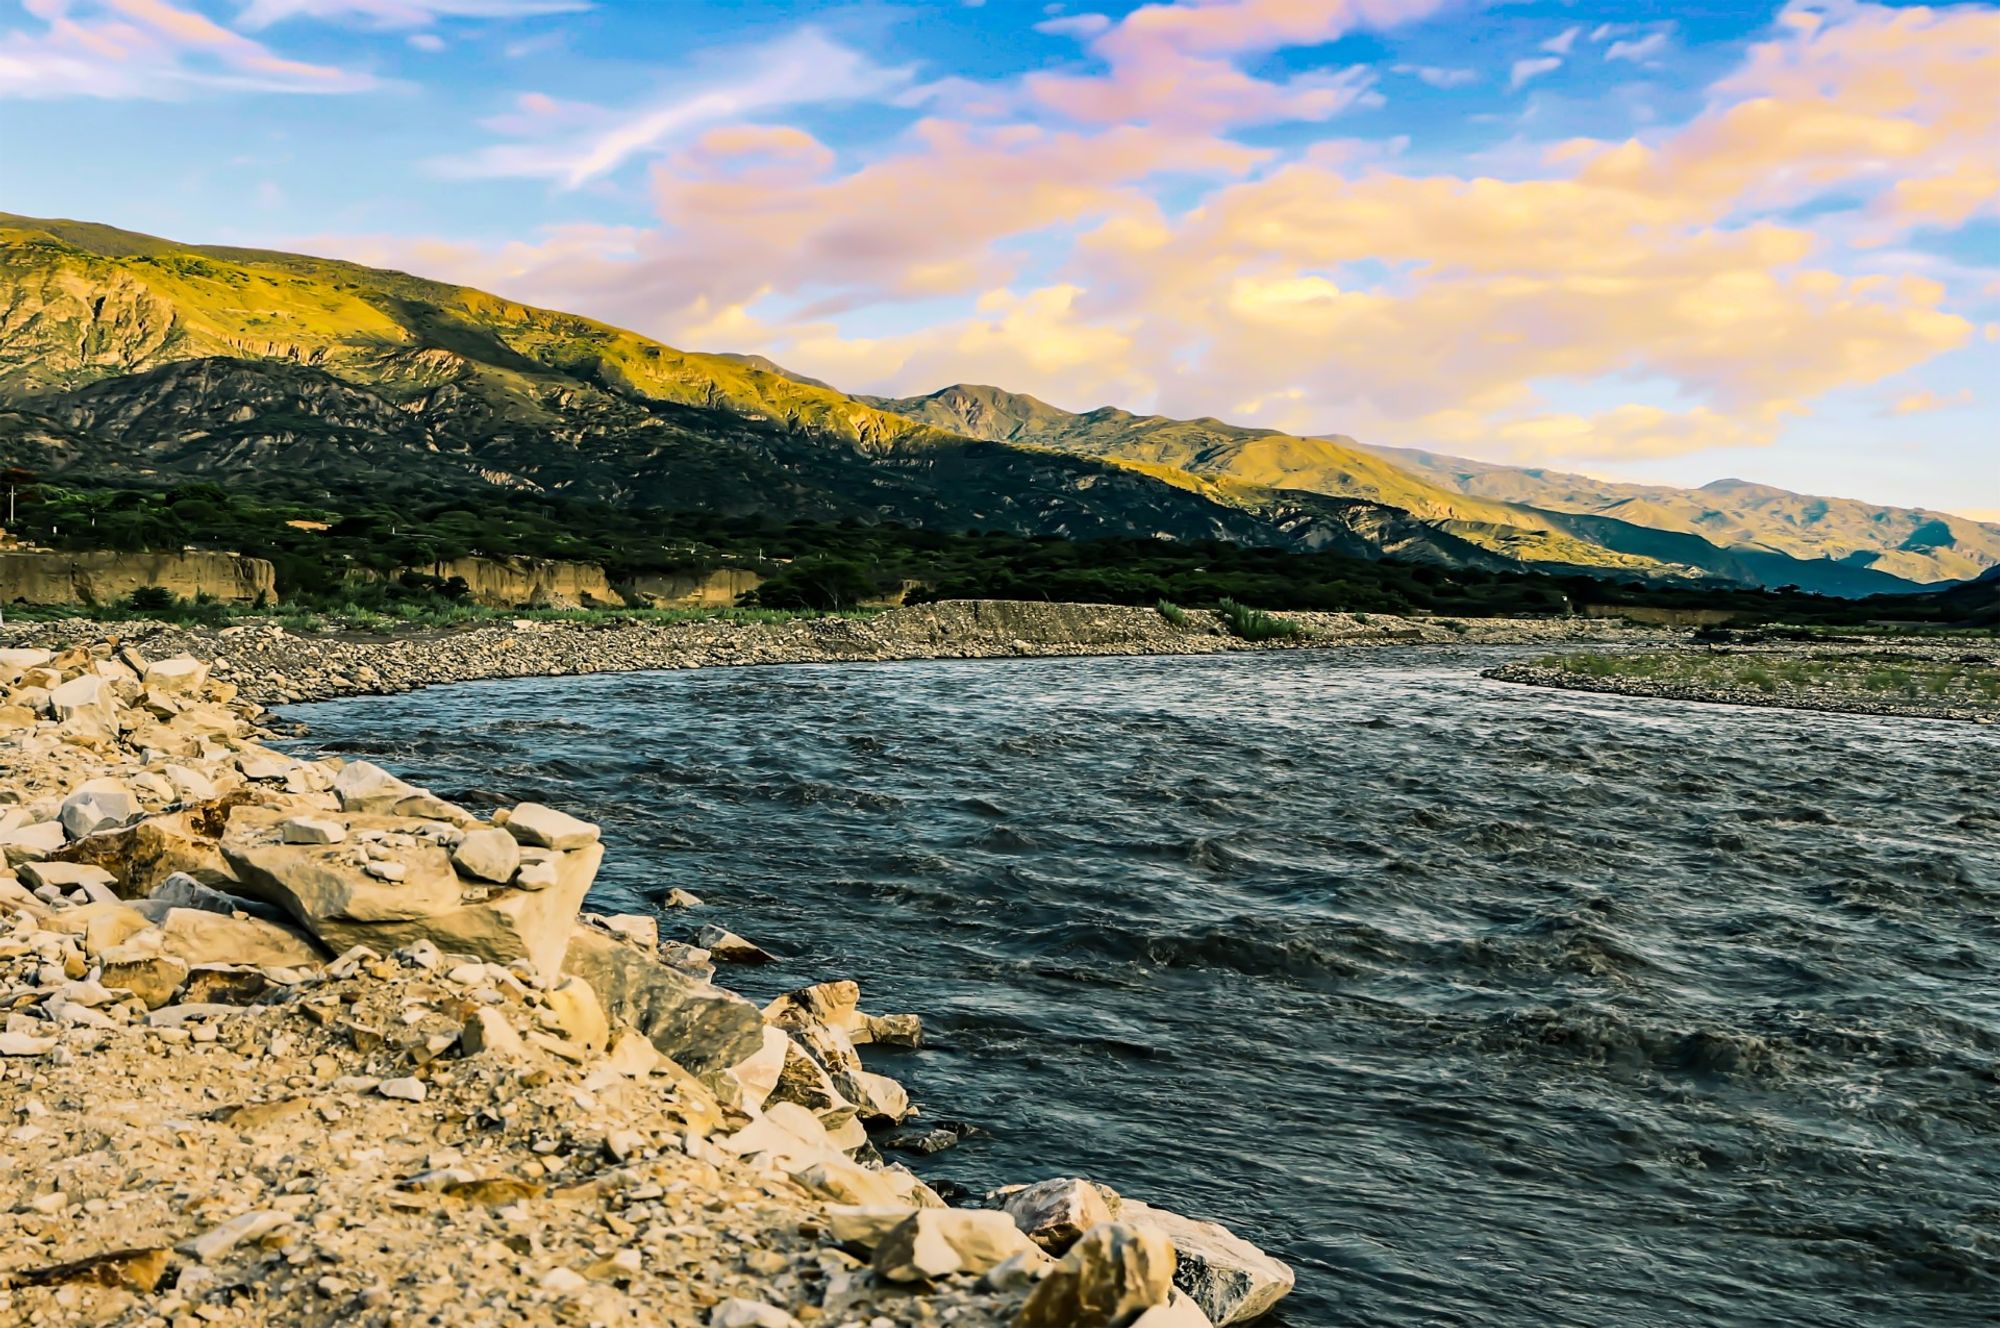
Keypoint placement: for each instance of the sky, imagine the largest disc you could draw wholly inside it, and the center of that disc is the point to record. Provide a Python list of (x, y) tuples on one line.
[(1665, 243)]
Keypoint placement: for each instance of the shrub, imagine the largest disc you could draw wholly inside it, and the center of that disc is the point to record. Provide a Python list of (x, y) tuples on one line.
[(152, 599), (1173, 613), (1250, 624)]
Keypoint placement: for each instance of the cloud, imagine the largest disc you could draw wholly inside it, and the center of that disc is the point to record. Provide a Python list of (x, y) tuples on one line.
[(1703, 286), (401, 13), (1640, 49), (1560, 45), (1439, 77), (1182, 64), (147, 49), (804, 68), (1525, 71), (1925, 402)]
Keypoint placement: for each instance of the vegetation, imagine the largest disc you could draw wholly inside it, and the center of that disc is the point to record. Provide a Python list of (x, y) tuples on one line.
[(366, 551), (1173, 613), (1256, 625), (1970, 680)]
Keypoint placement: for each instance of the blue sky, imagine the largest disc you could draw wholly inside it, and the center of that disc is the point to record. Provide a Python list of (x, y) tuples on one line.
[(1650, 242)]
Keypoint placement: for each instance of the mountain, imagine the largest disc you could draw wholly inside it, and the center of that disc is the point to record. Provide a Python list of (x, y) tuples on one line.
[(1556, 540), (128, 357), (1750, 520)]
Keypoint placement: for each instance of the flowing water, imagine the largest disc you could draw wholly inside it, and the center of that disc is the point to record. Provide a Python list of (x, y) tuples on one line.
[(1479, 1004)]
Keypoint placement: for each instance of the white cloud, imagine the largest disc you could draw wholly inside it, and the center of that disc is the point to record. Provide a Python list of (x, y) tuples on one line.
[(1439, 77), (803, 69), (118, 49), (1525, 71), (401, 13), (1640, 50), (1561, 45)]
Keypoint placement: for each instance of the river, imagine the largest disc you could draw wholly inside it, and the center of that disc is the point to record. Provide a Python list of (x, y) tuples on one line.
[(1479, 1004)]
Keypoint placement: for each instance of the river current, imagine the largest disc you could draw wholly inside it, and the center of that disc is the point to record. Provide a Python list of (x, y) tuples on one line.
[(1478, 1004)]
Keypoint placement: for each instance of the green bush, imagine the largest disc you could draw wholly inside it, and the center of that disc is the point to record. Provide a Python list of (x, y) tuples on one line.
[(1173, 613), (1250, 624)]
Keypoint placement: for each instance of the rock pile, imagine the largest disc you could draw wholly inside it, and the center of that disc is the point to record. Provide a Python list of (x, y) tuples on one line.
[(276, 666), (298, 1042)]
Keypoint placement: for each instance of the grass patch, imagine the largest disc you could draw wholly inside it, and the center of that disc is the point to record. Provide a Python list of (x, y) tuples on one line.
[(1248, 624), (1173, 613)]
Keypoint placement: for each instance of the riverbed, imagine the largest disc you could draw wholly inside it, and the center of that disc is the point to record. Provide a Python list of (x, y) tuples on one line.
[(1480, 1004)]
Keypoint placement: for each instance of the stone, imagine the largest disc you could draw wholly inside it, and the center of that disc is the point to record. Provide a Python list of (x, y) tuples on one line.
[(545, 827), (888, 1030), (730, 948), (534, 925), (679, 898), (333, 898), (579, 1014), (143, 855), (311, 830), (640, 929), (150, 975), (1178, 1312), (362, 786), (540, 874), (1110, 1277), (701, 1027), (1055, 1213), (864, 1226), (181, 890), (67, 876), (488, 855), (756, 1076), (403, 1090), (937, 1242), (199, 938), (85, 704), (100, 804), (28, 843), (26, 1044), (183, 675), (218, 1241), (259, 763), (488, 1033), (1229, 1278), (1018, 1272), (738, 1313), (102, 925)]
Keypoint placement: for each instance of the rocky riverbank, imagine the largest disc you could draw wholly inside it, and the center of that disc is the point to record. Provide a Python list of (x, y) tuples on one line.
[(1907, 677), (273, 666), (296, 1042)]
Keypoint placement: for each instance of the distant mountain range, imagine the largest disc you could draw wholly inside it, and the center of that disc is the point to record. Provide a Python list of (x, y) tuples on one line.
[(125, 358)]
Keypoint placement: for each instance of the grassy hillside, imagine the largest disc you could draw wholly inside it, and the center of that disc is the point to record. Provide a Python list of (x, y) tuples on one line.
[(128, 358), (1597, 543), (1748, 519)]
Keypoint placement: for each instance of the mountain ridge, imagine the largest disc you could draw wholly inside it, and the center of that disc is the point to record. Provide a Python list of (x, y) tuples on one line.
[(1594, 542), (132, 355)]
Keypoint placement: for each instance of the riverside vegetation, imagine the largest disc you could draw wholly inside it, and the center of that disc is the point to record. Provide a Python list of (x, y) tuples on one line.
[(1943, 678), (296, 1042)]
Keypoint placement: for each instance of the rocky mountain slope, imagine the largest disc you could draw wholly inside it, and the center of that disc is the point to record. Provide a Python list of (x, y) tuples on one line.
[(1607, 543), (1750, 520), (127, 357)]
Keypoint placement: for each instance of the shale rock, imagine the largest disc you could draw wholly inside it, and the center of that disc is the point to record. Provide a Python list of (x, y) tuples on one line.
[(1110, 1277), (1229, 1278), (699, 1026), (1056, 1213), (937, 1242)]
